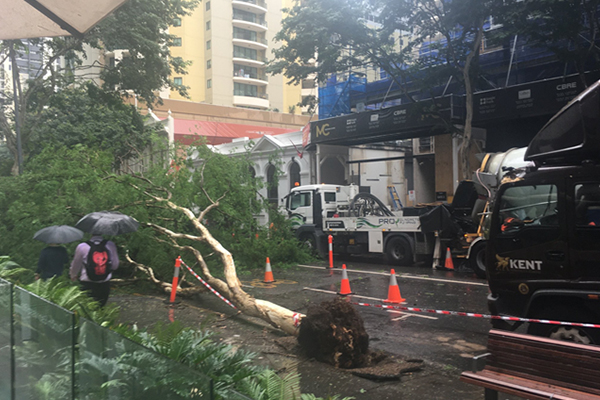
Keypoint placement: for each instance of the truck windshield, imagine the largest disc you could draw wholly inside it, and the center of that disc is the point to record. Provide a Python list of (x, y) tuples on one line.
[(528, 205), (300, 199)]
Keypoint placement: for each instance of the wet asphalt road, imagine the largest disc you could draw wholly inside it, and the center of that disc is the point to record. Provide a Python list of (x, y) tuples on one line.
[(450, 341)]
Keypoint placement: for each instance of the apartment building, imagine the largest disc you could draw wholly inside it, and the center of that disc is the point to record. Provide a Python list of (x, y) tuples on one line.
[(228, 43)]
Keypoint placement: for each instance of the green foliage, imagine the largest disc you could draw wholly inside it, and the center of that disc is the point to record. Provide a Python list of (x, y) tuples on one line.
[(68, 295), (139, 28), (61, 185), (567, 28), (89, 116), (6, 160)]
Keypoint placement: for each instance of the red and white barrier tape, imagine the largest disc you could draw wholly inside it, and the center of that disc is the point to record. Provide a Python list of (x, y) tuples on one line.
[(475, 315), (207, 285)]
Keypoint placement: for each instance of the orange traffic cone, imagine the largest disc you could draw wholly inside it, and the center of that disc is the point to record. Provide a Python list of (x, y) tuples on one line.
[(394, 295), (268, 272), (345, 287), (449, 264)]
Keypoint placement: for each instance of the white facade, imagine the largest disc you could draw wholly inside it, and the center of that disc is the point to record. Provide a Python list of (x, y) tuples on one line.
[(336, 165)]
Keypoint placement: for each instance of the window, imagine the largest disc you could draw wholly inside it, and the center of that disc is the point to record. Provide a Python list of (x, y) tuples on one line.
[(243, 52), (208, 45), (208, 25), (300, 199), (178, 81), (528, 205), (329, 197), (241, 89), (272, 192), (177, 42), (248, 16), (239, 33), (176, 22), (209, 83), (587, 204), (207, 5), (177, 60), (294, 175), (244, 71), (208, 64)]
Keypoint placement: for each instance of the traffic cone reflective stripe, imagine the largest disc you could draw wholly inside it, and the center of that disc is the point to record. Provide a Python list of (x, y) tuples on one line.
[(449, 264), (394, 295), (268, 272), (345, 287)]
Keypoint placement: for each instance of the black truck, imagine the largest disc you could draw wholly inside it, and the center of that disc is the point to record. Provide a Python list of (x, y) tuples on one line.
[(543, 247)]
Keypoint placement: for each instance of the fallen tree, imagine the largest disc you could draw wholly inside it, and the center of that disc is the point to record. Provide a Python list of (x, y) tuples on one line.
[(279, 317)]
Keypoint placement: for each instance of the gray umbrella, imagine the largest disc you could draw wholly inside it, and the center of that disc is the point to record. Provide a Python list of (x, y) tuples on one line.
[(58, 234), (107, 223)]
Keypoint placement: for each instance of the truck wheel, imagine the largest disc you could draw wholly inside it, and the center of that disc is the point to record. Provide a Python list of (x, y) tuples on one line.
[(310, 243), (398, 251), (561, 332), (477, 259)]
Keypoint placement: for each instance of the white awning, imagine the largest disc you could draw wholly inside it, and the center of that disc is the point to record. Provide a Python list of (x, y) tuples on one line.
[(24, 19)]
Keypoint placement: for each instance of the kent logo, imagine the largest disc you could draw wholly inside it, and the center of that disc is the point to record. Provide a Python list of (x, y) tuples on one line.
[(533, 265), (505, 264)]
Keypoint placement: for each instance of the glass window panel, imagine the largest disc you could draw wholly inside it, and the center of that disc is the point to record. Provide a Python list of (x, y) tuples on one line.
[(528, 205), (329, 197), (301, 199), (43, 351), (5, 353), (587, 204), (113, 367)]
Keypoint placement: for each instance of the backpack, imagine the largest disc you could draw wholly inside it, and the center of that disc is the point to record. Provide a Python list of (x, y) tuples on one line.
[(98, 264)]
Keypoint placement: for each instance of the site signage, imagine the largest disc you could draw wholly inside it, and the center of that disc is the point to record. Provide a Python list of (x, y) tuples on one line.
[(528, 100), (393, 123)]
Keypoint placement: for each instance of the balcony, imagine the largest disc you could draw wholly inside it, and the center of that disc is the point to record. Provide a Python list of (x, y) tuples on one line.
[(250, 22), (250, 42), (250, 62), (259, 79), (253, 6), (261, 100)]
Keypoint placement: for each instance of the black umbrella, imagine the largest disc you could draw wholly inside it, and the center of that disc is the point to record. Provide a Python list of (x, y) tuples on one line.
[(107, 223), (58, 234)]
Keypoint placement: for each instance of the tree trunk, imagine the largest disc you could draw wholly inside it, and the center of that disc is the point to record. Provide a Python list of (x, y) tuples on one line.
[(467, 141), (279, 317)]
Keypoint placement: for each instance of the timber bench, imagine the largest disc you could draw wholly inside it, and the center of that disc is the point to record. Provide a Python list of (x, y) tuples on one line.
[(534, 367)]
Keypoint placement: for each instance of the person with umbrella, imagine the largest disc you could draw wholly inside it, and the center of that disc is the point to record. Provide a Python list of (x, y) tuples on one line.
[(95, 260), (54, 257)]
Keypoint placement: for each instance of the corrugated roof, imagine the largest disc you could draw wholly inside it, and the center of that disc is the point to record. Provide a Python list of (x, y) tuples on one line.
[(189, 131)]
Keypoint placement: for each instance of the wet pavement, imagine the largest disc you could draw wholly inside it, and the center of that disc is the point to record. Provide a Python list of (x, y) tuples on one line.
[(445, 343)]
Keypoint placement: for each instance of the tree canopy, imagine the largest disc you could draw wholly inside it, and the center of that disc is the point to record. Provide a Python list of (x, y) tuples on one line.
[(570, 29), (139, 28), (338, 36)]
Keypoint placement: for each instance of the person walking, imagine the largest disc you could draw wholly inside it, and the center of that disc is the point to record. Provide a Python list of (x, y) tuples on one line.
[(93, 264), (52, 261)]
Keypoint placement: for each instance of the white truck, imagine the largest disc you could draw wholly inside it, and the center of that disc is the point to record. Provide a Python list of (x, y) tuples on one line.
[(359, 223)]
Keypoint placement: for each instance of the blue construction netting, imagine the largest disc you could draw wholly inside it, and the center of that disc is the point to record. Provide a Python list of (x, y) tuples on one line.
[(334, 97), (342, 92)]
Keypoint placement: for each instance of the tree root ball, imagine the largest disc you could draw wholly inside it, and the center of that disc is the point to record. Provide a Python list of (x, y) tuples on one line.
[(333, 332)]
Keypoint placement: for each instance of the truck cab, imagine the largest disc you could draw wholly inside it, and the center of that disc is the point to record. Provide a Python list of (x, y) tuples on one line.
[(358, 222), (543, 254)]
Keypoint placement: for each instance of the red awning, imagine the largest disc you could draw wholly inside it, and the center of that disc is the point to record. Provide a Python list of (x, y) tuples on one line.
[(213, 133)]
